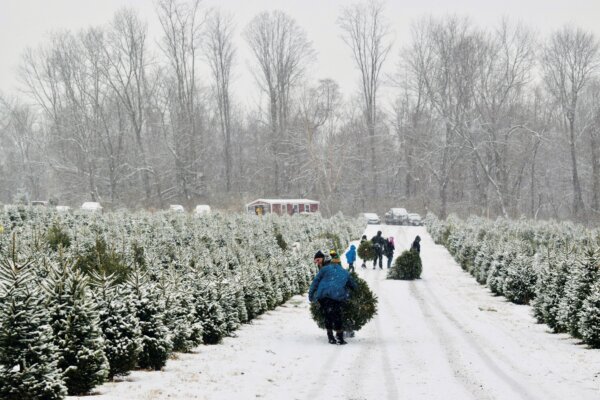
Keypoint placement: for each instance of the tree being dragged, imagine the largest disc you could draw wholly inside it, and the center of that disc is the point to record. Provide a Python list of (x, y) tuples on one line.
[(28, 357), (406, 267)]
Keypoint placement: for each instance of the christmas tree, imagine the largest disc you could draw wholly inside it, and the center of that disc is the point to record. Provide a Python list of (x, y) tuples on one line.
[(356, 312), (77, 334), (406, 267), (28, 357)]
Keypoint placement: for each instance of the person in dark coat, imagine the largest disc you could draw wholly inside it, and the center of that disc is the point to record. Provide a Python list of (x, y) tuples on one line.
[(331, 288), (378, 246), (351, 257), (363, 239), (416, 244), (389, 250)]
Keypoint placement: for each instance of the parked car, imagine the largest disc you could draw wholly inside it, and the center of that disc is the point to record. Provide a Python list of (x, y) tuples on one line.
[(202, 209), (39, 203), (371, 218), (415, 219), (91, 206), (396, 216), (178, 208), (63, 209)]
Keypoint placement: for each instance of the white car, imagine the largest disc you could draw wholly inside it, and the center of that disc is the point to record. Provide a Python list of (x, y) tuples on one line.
[(202, 209), (371, 218), (415, 219), (63, 209), (91, 206), (178, 208)]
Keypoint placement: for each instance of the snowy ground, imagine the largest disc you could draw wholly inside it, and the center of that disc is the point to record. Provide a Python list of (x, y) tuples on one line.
[(441, 337)]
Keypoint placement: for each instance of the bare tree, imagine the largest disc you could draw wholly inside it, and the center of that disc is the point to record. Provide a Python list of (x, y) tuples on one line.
[(282, 52), (366, 32), (569, 60), (126, 73), (182, 28), (497, 141), (220, 52)]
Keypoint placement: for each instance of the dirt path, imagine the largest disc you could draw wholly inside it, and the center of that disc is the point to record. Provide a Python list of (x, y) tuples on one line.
[(441, 337)]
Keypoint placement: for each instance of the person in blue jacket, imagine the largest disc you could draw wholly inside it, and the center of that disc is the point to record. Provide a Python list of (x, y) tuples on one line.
[(331, 288), (351, 258)]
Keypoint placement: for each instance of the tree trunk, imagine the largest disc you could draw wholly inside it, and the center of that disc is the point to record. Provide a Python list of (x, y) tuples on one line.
[(578, 198)]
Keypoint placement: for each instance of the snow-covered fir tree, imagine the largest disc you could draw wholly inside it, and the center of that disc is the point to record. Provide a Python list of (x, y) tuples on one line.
[(76, 326), (28, 356), (149, 310), (119, 324)]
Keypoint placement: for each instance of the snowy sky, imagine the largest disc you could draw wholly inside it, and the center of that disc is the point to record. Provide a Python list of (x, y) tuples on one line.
[(25, 23)]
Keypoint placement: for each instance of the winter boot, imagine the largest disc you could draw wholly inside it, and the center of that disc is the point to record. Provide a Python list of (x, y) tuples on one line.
[(330, 337), (340, 338)]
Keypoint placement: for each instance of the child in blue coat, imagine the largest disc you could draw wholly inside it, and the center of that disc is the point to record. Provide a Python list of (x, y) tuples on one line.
[(351, 257)]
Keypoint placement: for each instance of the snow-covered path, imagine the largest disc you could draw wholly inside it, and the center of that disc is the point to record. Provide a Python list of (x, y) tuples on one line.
[(441, 337)]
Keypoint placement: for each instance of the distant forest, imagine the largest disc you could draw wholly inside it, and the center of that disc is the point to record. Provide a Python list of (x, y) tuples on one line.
[(493, 121)]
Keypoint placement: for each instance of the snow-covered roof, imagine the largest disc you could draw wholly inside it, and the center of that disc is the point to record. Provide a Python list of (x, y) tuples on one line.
[(283, 201)]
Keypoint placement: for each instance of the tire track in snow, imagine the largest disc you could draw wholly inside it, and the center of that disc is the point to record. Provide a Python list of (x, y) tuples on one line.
[(453, 347), (459, 368), (389, 381), (481, 352)]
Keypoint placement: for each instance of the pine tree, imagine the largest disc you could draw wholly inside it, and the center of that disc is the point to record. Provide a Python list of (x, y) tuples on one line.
[(28, 357), (589, 317), (520, 279), (149, 311), (180, 316), (209, 312), (578, 287), (119, 325), (407, 266), (356, 312), (550, 287), (77, 334)]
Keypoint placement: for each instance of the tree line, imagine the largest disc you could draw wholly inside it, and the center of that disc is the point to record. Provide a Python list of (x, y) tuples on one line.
[(485, 120)]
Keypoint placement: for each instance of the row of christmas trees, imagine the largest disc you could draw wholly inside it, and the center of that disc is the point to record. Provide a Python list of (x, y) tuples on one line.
[(84, 298), (553, 266)]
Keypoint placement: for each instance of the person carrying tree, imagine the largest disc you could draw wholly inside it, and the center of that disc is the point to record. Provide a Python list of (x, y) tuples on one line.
[(378, 246), (363, 239), (331, 288)]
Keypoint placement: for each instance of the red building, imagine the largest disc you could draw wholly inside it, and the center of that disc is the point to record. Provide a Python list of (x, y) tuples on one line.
[(282, 206)]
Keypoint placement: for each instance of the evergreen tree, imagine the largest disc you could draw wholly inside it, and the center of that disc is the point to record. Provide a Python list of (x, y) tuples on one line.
[(209, 312), (77, 334), (356, 312), (180, 316), (407, 266), (119, 325), (520, 279), (589, 317), (28, 357), (149, 311), (582, 277), (550, 287)]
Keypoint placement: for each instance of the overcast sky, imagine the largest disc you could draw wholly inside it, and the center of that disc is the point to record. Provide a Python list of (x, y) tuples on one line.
[(25, 23)]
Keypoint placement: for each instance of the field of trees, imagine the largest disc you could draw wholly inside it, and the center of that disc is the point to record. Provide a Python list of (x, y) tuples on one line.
[(494, 120), (552, 266), (85, 298)]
